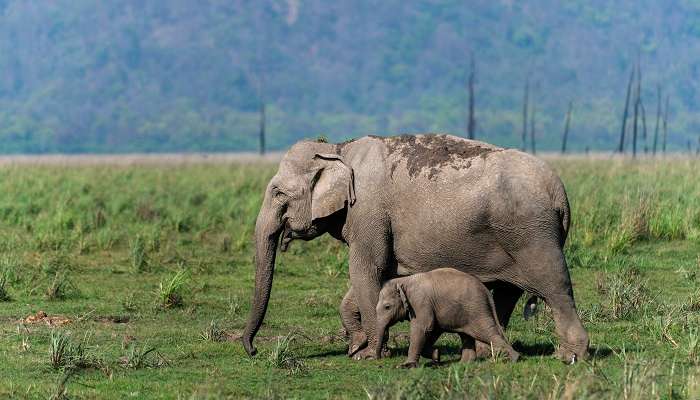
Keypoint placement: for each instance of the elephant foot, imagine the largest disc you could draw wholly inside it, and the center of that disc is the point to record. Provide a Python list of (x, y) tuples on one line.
[(570, 357), (408, 364), (369, 353), (514, 356), (435, 357), (483, 351), (365, 354), (358, 341), (468, 355)]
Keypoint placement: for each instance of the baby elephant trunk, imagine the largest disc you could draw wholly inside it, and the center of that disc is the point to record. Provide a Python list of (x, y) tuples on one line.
[(382, 335)]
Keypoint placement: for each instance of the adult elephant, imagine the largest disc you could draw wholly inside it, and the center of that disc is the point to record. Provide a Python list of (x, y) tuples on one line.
[(410, 204)]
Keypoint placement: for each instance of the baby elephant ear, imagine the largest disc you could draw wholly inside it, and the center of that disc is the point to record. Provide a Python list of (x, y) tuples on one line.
[(404, 300)]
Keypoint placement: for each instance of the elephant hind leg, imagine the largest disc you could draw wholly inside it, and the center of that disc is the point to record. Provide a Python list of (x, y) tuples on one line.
[(350, 318), (468, 349), (547, 276)]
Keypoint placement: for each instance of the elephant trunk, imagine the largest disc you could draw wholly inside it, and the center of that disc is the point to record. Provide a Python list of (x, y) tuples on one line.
[(267, 232), (382, 336)]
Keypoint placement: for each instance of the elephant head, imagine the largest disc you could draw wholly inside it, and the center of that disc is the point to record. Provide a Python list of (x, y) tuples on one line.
[(393, 306), (312, 183)]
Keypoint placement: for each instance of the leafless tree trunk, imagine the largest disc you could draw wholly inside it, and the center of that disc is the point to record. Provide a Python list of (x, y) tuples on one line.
[(621, 146), (644, 125), (637, 102), (658, 119), (262, 128), (533, 143), (523, 143), (665, 126), (471, 123), (567, 123)]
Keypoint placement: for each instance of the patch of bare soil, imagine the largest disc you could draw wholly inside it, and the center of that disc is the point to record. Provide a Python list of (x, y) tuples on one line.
[(41, 317), (232, 336), (113, 319)]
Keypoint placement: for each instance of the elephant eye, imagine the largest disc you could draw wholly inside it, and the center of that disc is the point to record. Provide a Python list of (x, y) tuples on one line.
[(387, 306), (279, 195)]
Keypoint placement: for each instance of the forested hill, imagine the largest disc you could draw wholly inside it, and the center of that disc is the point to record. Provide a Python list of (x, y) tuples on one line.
[(183, 75)]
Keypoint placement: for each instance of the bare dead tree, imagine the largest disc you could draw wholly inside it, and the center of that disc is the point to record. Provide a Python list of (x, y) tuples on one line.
[(658, 119), (644, 125), (638, 96), (262, 128), (567, 123), (533, 143), (523, 143), (665, 126), (471, 122), (621, 146)]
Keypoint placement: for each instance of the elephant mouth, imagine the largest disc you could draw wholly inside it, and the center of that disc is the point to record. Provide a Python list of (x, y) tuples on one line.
[(288, 235), (286, 238)]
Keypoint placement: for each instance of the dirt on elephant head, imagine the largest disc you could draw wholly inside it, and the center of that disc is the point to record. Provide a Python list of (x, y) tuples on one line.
[(434, 152)]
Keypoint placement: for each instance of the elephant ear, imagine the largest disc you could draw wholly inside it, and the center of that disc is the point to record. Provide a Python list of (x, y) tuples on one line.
[(334, 187), (406, 304)]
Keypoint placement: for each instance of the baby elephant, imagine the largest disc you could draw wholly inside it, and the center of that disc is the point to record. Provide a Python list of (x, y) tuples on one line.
[(442, 300)]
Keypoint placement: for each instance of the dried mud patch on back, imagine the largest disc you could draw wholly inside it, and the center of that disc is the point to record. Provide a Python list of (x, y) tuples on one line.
[(434, 153), (339, 147)]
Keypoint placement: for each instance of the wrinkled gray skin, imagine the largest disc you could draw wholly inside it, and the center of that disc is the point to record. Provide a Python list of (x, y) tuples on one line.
[(350, 317), (442, 300), (411, 204)]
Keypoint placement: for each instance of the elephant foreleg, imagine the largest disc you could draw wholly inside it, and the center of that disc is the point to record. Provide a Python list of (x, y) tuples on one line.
[(365, 280), (350, 317)]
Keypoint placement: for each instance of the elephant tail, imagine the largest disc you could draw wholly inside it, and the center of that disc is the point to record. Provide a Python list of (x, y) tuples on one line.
[(530, 308), (492, 305), (561, 206)]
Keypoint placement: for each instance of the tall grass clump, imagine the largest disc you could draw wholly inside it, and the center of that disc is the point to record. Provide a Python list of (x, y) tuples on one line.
[(139, 255), (625, 293), (212, 333), (145, 356), (283, 355), (65, 353), (4, 295), (171, 291), (60, 287)]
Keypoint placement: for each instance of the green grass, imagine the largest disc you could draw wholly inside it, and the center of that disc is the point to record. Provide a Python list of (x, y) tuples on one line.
[(125, 245)]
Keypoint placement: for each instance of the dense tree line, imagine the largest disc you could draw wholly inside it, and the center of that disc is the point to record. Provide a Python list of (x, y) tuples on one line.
[(180, 75)]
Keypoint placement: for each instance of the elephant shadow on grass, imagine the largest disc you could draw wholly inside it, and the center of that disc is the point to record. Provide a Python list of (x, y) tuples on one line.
[(451, 349)]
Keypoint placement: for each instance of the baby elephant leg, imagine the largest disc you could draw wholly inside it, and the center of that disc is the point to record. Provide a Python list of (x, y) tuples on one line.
[(493, 335), (350, 317), (468, 348), (429, 349), (420, 332)]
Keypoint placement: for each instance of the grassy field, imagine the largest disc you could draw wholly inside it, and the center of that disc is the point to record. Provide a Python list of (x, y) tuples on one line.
[(145, 275)]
